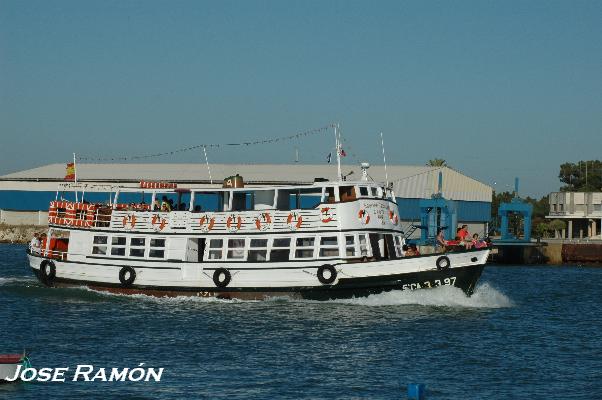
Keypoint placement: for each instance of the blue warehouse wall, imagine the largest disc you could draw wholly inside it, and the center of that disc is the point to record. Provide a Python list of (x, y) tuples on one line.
[(468, 211)]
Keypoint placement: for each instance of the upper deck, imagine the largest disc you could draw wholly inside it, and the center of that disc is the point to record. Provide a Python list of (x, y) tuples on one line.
[(322, 206)]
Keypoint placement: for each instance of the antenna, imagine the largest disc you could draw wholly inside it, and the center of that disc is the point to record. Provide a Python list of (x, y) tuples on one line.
[(382, 143), (75, 177), (296, 154)]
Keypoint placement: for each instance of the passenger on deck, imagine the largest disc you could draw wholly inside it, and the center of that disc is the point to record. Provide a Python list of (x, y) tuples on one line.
[(197, 208), (414, 249), (463, 235), (165, 206), (182, 207), (411, 250), (477, 243), (156, 205), (34, 245), (441, 243)]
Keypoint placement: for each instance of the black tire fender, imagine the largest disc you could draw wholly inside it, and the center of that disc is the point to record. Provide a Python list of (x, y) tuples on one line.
[(47, 272), (219, 282), (127, 276), (332, 274), (443, 263)]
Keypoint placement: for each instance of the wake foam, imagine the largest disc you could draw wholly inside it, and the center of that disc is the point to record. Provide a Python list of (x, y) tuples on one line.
[(485, 296), (16, 280)]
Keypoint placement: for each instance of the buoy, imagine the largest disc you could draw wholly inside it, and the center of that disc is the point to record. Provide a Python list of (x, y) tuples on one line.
[(416, 391)]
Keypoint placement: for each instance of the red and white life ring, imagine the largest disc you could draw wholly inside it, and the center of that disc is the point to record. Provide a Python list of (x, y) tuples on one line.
[(326, 215), (129, 221), (393, 217), (206, 222), (263, 221), (158, 223), (234, 222), (294, 220), (363, 216)]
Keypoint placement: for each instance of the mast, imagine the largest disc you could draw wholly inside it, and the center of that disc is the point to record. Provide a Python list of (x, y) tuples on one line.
[(75, 177), (337, 138)]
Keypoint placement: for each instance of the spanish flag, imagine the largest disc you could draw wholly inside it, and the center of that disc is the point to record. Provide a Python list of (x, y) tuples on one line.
[(70, 173)]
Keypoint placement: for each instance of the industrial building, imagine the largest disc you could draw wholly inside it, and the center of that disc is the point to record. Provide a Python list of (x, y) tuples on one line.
[(25, 195), (582, 212)]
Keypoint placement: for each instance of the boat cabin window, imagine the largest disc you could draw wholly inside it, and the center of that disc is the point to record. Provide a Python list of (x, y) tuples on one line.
[(350, 246), (258, 251), (329, 195), (100, 245), (363, 191), (236, 249), (365, 250), (298, 199), (398, 245), (213, 202), (118, 246), (216, 249), (329, 246), (304, 247), (374, 191), (157, 248), (280, 249), (242, 201), (137, 247), (347, 193)]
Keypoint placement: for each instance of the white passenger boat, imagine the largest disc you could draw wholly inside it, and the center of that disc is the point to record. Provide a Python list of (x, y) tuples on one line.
[(9, 363), (325, 240)]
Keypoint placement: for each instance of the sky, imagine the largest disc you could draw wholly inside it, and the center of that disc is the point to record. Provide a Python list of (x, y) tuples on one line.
[(496, 88)]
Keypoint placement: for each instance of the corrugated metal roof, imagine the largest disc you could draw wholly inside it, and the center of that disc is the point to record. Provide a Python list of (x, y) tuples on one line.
[(408, 181)]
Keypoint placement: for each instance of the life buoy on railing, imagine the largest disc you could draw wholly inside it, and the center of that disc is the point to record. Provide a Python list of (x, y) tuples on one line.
[(70, 215), (294, 220), (130, 220), (127, 276), (393, 217), (327, 274), (206, 222), (363, 216), (47, 272), (234, 222), (221, 277), (325, 213), (263, 221), (158, 223), (443, 263)]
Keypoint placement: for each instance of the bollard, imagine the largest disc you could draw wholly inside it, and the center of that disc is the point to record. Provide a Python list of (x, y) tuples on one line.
[(416, 391)]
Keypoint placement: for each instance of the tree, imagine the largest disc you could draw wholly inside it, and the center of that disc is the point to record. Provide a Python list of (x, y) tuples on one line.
[(584, 176), (437, 162)]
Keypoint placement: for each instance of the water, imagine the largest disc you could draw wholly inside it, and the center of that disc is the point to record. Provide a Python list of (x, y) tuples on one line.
[(527, 333)]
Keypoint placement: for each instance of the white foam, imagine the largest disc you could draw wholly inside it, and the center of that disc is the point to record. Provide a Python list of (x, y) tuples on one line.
[(485, 296), (8, 281)]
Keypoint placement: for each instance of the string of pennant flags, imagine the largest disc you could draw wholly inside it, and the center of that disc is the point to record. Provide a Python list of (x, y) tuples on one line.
[(299, 135)]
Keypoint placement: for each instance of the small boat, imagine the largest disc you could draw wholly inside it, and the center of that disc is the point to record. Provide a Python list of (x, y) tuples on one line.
[(9, 364), (320, 241)]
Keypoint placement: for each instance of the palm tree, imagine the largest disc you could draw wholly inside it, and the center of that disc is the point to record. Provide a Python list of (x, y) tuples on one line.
[(437, 162)]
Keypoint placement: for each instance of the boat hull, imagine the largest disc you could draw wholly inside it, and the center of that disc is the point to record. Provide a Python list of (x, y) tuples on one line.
[(464, 277)]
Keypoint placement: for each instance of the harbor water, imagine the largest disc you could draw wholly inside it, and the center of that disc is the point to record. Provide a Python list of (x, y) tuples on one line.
[(526, 333)]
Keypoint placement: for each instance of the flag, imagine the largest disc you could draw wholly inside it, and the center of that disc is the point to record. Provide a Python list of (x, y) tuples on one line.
[(343, 154), (70, 173), (328, 158)]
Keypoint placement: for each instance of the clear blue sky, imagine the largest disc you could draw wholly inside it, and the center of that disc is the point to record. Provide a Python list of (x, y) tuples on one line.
[(498, 89)]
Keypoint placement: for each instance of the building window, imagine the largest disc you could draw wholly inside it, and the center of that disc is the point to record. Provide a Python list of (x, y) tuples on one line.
[(216, 249), (100, 245), (280, 249), (157, 248), (304, 247), (236, 249), (329, 246), (137, 247), (118, 246), (350, 245), (258, 251)]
